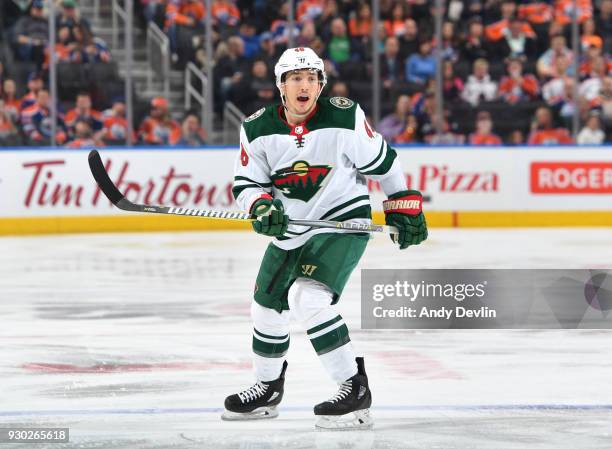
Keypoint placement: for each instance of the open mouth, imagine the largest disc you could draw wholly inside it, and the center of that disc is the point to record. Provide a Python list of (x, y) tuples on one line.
[(303, 99)]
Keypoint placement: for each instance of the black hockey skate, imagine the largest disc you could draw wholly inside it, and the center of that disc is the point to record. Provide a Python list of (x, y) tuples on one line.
[(349, 408), (256, 402)]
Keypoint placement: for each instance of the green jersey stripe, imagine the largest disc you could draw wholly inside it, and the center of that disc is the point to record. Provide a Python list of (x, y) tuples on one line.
[(244, 178), (237, 190), (376, 159), (343, 205), (385, 165)]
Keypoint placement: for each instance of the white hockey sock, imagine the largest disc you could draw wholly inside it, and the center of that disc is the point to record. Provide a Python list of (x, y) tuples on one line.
[(310, 302), (270, 341)]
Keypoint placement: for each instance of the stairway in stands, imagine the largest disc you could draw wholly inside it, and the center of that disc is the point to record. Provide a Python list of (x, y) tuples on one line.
[(141, 68)]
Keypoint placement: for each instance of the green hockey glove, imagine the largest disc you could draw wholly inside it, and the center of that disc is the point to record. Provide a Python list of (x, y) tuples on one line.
[(404, 210), (271, 218)]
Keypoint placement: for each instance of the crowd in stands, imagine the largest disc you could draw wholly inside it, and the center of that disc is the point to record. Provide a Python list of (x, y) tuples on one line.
[(502, 59), (26, 118), (507, 66)]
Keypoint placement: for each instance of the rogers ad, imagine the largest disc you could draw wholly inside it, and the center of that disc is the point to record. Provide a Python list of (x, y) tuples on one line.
[(571, 177)]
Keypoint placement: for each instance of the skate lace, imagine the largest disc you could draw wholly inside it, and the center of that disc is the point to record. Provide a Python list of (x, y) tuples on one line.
[(343, 392), (252, 393)]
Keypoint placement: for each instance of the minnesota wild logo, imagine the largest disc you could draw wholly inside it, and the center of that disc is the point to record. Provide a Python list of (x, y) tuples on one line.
[(301, 181)]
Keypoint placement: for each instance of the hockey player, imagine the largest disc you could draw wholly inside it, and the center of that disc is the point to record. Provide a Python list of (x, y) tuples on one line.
[(308, 158)]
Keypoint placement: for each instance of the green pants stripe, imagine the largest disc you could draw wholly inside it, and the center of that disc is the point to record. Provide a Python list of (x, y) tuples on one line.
[(322, 326), (271, 337), (331, 340)]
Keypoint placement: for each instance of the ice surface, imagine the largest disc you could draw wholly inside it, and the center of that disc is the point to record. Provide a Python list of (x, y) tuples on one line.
[(133, 341)]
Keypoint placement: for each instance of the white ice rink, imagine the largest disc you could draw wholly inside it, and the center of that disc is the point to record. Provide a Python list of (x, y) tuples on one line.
[(134, 340)]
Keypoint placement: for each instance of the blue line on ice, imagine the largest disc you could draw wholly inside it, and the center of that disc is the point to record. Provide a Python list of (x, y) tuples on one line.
[(392, 408)]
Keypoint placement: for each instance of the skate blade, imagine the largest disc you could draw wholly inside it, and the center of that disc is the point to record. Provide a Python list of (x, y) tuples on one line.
[(359, 420), (258, 413)]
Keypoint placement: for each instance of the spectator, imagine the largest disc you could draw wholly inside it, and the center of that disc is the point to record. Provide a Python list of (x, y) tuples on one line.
[(83, 112), (339, 89), (409, 40), (8, 131), (193, 133), (250, 39), (604, 24), (421, 67), (83, 136), (1, 75), (309, 10), (547, 62), (589, 37), (553, 91), (230, 68), (36, 121), (479, 86), (159, 128), (591, 87), (256, 90), (452, 86), (153, 9), (483, 134), (410, 132), (536, 13), (70, 17), (564, 11), (393, 124), (474, 46), (87, 47), (496, 31), (12, 104), (516, 138), (268, 51), (517, 87), (64, 48), (31, 33), (390, 63), (543, 132), (396, 25), (187, 15), (360, 24), (308, 33), (591, 133), (606, 102), (115, 128), (450, 43), (586, 64), (339, 46), (225, 13), (517, 43), (449, 134), (35, 84)]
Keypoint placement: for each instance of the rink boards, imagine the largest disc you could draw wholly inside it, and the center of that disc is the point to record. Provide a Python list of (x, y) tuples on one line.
[(50, 191)]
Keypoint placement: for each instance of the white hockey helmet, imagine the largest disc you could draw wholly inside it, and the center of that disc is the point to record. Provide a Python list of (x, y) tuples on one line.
[(299, 58)]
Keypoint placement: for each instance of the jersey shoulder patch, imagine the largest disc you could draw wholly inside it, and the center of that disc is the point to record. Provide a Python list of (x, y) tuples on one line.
[(335, 112), (342, 102), (254, 115)]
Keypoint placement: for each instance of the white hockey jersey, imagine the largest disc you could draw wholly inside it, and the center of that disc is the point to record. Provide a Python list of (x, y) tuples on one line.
[(316, 168)]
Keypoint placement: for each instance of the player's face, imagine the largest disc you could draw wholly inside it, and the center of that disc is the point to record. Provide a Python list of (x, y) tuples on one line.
[(301, 90)]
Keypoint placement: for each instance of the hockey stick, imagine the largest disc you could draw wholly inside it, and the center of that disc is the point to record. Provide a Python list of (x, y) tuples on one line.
[(116, 197)]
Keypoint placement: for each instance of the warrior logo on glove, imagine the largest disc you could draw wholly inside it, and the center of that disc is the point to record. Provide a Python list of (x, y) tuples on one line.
[(404, 210)]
